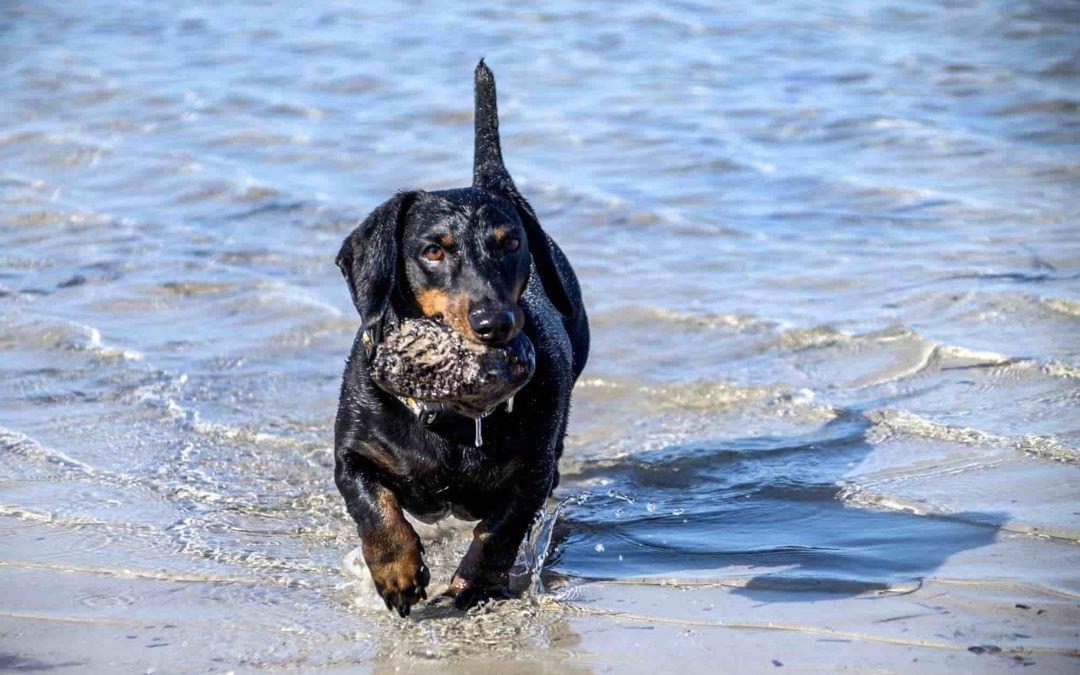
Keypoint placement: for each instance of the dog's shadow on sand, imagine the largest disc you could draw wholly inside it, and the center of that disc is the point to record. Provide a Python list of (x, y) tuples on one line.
[(768, 513)]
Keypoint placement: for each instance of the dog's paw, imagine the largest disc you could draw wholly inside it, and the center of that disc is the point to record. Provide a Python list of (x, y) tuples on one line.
[(402, 581), (464, 594)]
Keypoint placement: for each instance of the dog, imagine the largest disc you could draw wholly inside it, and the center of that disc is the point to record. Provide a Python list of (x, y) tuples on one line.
[(477, 259)]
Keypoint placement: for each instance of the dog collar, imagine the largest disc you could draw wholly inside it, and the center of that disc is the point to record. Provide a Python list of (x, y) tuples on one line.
[(430, 413)]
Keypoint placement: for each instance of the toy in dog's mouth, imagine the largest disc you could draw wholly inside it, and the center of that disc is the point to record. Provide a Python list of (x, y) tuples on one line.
[(428, 361)]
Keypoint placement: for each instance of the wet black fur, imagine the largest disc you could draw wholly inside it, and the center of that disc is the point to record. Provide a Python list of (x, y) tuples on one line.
[(432, 471)]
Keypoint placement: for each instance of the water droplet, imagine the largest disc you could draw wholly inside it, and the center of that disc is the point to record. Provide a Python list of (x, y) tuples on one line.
[(599, 548), (650, 507), (615, 494)]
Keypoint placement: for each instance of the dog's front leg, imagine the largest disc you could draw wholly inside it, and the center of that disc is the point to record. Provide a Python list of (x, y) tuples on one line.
[(392, 549), (484, 572)]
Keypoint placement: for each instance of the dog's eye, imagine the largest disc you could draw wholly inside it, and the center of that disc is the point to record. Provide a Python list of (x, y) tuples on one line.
[(433, 253), (512, 245)]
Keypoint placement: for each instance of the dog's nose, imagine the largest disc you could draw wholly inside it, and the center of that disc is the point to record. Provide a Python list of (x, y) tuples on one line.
[(492, 326)]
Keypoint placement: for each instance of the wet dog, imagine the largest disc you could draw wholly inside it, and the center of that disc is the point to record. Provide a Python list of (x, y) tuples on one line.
[(477, 259)]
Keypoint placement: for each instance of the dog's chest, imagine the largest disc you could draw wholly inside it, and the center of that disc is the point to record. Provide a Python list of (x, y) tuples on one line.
[(478, 471), (466, 483)]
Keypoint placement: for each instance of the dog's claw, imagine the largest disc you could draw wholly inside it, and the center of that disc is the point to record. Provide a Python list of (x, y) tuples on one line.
[(401, 582), (467, 597), (441, 600), (402, 601)]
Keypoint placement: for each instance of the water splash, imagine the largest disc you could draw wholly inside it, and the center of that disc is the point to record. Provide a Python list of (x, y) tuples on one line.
[(538, 547)]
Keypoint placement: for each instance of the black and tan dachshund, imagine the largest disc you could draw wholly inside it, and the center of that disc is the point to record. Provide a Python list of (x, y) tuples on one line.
[(477, 259)]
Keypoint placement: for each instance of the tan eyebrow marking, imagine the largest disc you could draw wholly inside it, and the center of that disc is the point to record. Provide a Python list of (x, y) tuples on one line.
[(499, 234), (446, 241)]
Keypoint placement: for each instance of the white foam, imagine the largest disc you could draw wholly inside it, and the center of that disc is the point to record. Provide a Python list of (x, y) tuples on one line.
[(891, 422), (19, 443), (95, 345)]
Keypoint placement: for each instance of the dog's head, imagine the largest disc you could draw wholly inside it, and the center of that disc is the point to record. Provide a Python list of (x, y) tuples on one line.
[(463, 255)]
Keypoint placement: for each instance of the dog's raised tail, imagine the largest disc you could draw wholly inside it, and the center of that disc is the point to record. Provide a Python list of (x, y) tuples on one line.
[(488, 168)]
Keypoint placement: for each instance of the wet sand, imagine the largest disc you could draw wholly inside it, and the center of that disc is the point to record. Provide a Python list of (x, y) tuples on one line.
[(87, 622)]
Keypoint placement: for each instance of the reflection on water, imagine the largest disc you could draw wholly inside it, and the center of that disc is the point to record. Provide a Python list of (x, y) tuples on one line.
[(830, 257), (770, 505)]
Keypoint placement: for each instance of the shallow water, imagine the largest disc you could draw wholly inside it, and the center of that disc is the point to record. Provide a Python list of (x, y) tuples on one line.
[(831, 259)]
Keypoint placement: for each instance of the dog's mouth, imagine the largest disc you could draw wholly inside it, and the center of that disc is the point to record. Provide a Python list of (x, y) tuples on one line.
[(428, 361)]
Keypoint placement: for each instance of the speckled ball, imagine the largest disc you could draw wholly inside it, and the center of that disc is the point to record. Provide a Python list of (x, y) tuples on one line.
[(428, 361)]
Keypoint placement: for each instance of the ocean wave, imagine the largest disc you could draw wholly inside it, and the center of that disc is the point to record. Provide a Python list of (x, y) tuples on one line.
[(94, 345), (709, 396), (807, 338), (145, 386), (1062, 306), (708, 320), (278, 296), (721, 396), (160, 396), (871, 497), (918, 356), (17, 443), (64, 335), (657, 316), (888, 424)]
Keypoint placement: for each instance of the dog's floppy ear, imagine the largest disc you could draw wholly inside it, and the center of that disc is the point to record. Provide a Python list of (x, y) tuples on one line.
[(490, 173), (368, 259)]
